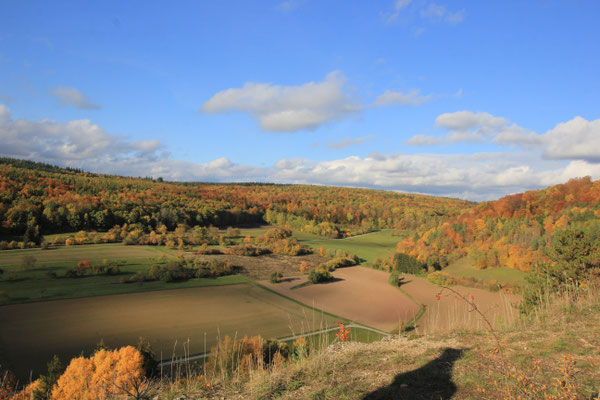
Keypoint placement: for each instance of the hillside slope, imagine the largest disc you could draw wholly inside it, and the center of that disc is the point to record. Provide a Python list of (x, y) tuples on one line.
[(42, 198), (514, 231)]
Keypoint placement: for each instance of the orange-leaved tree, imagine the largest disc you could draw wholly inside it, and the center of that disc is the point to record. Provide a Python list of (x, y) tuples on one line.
[(104, 375)]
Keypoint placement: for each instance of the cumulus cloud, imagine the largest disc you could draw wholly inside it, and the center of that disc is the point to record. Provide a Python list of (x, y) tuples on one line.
[(52, 141), (480, 176), (346, 142), (411, 98), (468, 126), (575, 139), (288, 108), (69, 96), (464, 120), (83, 144), (424, 140)]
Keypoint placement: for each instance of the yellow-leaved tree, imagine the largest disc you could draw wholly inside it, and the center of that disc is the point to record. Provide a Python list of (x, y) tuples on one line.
[(105, 374)]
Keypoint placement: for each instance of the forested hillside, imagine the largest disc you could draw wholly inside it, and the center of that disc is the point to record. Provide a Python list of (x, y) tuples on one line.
[(514, 231), (38, 199)]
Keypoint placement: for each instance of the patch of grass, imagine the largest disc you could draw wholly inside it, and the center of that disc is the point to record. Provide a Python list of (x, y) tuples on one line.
[(88, 252), (368, 247), (463, 268), (47, 281)]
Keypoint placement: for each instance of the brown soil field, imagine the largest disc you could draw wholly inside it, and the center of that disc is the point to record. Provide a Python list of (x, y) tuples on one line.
[(360, 294), (451, 312), (31, 333), (261, 267)]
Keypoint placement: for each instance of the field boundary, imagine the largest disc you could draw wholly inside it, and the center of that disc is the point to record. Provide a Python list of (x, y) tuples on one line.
[(422, 308), (342, 319)]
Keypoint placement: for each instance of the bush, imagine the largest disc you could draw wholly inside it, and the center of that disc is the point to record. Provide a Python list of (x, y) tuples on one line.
[(339, 262), (320, 275), (275, 277), (247, 250), (395, 279), (406, 264)]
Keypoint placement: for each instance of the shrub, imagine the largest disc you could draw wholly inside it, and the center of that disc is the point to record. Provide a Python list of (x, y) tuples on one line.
[(320, 275), (107, 374), (339, 262), (303, 266), (406, 264), (395, 279), (247, 250), (275, 277)]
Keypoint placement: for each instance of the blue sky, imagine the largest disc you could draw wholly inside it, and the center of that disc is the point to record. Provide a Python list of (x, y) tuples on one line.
[(470, 99)]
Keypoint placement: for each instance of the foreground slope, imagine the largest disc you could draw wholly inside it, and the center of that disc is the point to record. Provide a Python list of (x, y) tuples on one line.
[(554, 354)]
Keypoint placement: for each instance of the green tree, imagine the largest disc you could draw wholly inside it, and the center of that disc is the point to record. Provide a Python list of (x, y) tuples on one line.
[(55, 370), (407, 264)]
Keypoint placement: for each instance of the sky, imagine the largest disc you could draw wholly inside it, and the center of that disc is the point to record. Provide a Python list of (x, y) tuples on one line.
[(469, 99)]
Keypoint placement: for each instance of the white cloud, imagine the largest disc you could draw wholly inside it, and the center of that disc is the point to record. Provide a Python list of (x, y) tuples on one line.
[(69, 96), (346, 142), (288, 108), (411, 98), (52, 141), (464, 120), (480, 176), (83, 144), (575, 139), (424, 140)]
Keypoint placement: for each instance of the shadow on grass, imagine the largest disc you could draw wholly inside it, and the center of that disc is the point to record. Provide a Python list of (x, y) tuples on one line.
[(432, 381)]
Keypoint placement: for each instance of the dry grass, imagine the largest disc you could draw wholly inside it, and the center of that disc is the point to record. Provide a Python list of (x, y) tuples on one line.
[(554, 354)]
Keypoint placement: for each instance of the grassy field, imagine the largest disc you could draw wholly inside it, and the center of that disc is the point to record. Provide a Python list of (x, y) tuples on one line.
[(88, 252), (368, 247), (463, 268), (32, 333), (36, 284)]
